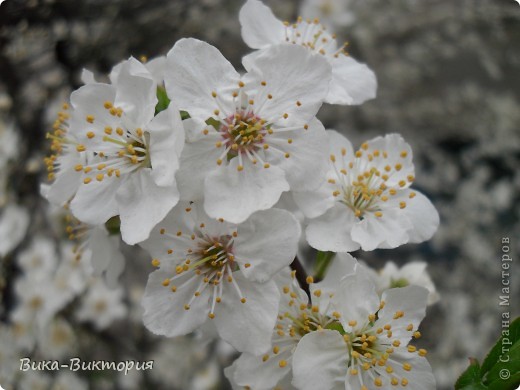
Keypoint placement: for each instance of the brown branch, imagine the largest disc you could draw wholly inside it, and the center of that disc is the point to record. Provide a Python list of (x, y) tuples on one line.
[(301, 275)]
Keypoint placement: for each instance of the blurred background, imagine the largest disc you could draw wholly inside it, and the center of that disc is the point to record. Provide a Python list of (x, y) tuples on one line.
[(449, 82)]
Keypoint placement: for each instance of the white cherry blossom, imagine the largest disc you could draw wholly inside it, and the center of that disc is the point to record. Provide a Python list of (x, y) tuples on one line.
[(297, 317), (366, 201), (132, 154), (367, 348), (351, 82), (413, 273), (250, 137), (214, 269)]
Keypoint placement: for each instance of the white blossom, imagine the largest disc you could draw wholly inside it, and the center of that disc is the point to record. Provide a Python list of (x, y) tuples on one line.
[(216, 269), (297, 317), (14, 221), (101, 306), (132, 154), (413, 273), (250, 137), (366, 201), (367, 347), (351, 82)]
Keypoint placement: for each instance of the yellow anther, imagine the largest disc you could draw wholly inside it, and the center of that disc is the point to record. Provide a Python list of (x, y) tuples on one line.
[(364, 146), (162, 231), (389, 369), (317, 293), (108, 105), (240, 168), (100, 177), (404, 382), (404, 153), (243, 300), (119, 131), (309, 279), (398, 167), (214, 94), (417, 335), (211, 315), (359, 154), (394, 381), (282, 363), (402, 183), (87, 180), (378, 382), (166, 282), (78, 168), (186, 307), (371, 317), (412, 195), (241, 84), (422, 352), (412, 349), (378, 214), (90, 135), (388, 327), (80, 148), (90, 118), (285, 116), (410, 178), (265, 358), (353, 371), (396, 343), (276, 349), (266, 165), (287, 155), (352, 323)]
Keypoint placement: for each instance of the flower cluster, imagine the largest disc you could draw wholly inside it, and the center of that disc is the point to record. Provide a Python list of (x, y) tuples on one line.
[(197, 163)]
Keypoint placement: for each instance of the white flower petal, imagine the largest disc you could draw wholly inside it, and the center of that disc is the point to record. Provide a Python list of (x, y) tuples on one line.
[(356, 298), (296, 75), (260, 28), (388, 231), (190, 81), (143, 204), (166, 144), (235, 195), (315, 203), (331, 231), (420, 377), (164, 310), (198, 160), (320, 361), (307, 163), (136, 92), (95, 202), (252, 371), (267, 241), (352, 82), (14, 221), (398, 152), (423, 216), (248, 326), (411, 300)]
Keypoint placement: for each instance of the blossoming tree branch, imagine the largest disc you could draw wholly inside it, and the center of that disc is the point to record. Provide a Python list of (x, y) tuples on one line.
[(223, 176)]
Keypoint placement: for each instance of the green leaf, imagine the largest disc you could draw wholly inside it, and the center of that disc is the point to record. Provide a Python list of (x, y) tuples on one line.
[(163, 100), (323, 260), (185, 115), (470, 377), (493, 356), (113, 225), (507, 366)]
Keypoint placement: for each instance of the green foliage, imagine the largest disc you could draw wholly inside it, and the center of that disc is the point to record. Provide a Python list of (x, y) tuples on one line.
[(501, 367), (163, 100), (113, 225), (323, 260)]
